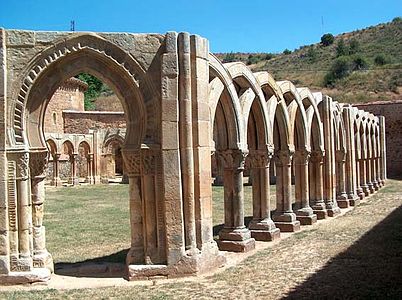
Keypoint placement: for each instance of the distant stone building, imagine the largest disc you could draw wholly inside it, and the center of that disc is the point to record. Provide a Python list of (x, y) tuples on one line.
[(392, 111), (85, 146)]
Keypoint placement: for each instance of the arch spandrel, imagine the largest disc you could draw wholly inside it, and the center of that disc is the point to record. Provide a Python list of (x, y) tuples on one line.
[(89, 52)]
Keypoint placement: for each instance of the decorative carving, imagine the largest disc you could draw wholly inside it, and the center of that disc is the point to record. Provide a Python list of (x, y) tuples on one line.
[(132, 160), (38, 163), (301, 157), (22, 165), (90, 43), (258, 159), (12, 196), (340, 155), (283, 157), (232, 159), (316, 156), (148, 162)]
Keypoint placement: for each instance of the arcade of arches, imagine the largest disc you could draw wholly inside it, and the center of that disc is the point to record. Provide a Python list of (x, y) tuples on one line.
[(187, 117)]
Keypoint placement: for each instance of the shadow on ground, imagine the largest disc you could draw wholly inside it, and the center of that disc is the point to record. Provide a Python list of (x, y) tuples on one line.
[(110, 266), (369, 269)]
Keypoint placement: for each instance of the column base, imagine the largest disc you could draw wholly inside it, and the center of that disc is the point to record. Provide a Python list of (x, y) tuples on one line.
[(366, 190), (371, 188), (307, 220), (343, 203), (291, 226), (236, 240), (43, 260), (355, 201), (35, 275), (206, 260), (376, 186), (333, 212), (56, 182), (237, 246), (321, 214), (264, 230)]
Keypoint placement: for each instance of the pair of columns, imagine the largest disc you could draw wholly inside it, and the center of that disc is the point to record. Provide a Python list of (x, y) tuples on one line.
[(74, 180), (25, 232), (235, 236)]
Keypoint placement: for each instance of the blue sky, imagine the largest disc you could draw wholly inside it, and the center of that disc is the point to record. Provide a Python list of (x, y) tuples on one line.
[(230, 25)]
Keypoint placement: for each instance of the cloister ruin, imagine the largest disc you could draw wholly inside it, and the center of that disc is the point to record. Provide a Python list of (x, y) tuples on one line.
[(183, 109)]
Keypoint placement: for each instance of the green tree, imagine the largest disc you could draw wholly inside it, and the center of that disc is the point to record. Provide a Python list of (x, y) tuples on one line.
[(327, 39), (287, 51), (95, 87)]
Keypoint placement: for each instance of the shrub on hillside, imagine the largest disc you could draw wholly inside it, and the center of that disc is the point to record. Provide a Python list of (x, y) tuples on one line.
[(359, 63), (287, 51), (229, 57), (354, 46), (341, 48), (312, 54), (380, 60), (327, 39), (339, 69)]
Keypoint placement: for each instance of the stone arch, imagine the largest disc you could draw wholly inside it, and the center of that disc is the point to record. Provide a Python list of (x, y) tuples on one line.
[(225, 95), (90, 53), (259, 139), (85, 161), (112, 160)]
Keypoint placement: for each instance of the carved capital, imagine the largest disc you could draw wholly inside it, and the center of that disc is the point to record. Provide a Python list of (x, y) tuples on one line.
[(258, 159), (301, 157), (21, 159), (316, 156), (132, 161), (148, 160), (232, 159), (340, 155), (283, 157), (38, 163)]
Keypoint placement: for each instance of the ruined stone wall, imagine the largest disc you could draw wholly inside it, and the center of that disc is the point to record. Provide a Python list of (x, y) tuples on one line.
[(392, 111), (69, 96), (81, 122)]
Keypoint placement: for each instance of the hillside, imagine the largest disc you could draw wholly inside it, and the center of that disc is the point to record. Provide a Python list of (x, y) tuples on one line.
[(372, 56)]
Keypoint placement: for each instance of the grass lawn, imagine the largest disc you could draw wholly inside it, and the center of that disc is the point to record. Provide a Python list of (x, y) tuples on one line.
[(355, 256), (89, 222)]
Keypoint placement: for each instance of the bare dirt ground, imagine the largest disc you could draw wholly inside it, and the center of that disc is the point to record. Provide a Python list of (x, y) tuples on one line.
[(355, 256)]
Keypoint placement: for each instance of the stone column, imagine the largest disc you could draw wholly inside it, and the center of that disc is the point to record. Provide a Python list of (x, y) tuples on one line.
[(56, 181), (316, 184), (23, 262), (136, 254), (73, 160), (186, 141), (369, 173), (374, 173), (350, 163), (342, 197), (38, 165), (304, 212), (284, 217), (363, 178), (262, 227), (90, 160), (329, 158), (235, 236), (383, 151)]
